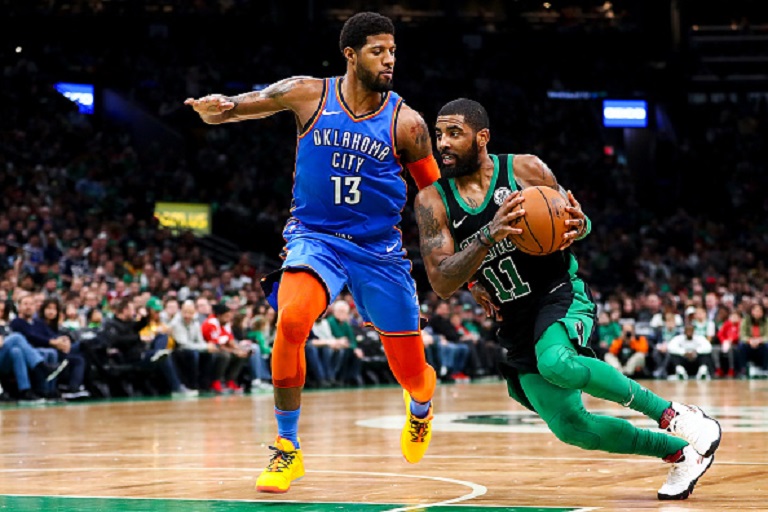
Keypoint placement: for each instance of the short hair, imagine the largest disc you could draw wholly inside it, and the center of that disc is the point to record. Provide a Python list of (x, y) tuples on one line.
[(474, 113), (122, 304), (356, 29)]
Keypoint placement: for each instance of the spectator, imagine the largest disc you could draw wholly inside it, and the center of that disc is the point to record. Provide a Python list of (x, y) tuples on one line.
[(753, 349), (261, 332), (628, 352), (25, 364), (149, 364), (349, 369), (608, 329), (453, 354), (196, 357), (170, 310), (661, 356), (217, 329), (727, 340), (43, 332), (691, 353)]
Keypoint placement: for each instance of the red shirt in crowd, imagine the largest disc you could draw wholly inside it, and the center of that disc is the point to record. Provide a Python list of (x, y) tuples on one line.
[(729, 332), (214, 332)]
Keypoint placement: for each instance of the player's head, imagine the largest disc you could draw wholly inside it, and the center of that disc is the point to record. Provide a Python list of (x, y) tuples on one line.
[(367, 42), (461, 133)]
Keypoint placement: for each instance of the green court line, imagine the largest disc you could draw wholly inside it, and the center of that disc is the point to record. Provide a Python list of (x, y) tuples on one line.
[(85, 504)]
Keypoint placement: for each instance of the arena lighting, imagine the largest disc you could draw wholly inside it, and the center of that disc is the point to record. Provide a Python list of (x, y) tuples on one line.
[(625, 113), (576, 95), (82, 94)]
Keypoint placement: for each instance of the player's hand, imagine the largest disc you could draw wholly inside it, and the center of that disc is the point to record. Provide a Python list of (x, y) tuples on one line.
[(577, 224), (502, 224), (210, 105), (482, 297)]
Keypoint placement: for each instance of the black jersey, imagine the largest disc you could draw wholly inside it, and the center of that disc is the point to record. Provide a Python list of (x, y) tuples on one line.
[(518, 282)]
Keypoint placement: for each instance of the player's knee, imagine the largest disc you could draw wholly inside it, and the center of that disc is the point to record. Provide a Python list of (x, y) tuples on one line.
[(574, 427), (421, 386), (560, 366), (294, 324)]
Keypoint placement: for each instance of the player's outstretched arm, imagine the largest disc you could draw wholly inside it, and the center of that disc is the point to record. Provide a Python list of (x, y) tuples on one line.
[(299, 94), (414, 146), (447, 269), (532, 172)]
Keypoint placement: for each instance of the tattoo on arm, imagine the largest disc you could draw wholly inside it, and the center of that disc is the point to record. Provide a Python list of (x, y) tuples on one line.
[(452, 271), (242, 97), (420, 134), (281, 88), (431, 234), (459, 268)]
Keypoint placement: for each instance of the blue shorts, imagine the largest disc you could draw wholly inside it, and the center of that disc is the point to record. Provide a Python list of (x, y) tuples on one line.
[(377, 274)]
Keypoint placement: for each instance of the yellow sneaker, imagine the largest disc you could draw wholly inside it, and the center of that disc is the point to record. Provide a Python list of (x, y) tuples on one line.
[(285, 466), (416, 434)]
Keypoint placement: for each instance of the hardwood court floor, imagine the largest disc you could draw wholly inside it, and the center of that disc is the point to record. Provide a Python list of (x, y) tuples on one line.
[(487, 454)]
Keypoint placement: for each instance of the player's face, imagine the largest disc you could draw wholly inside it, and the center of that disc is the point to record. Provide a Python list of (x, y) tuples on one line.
[(457, 144), (376, 61)]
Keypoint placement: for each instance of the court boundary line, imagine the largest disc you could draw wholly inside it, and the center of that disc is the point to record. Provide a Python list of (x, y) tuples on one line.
[(230, 500), (476, 489)]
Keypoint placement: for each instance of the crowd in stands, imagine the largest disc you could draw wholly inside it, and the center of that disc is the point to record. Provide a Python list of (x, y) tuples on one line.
[(98, 300)]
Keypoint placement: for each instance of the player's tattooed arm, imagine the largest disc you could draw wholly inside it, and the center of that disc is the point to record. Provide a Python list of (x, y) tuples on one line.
[(412, 137), (532, 172), (286, 94), (447, 270)]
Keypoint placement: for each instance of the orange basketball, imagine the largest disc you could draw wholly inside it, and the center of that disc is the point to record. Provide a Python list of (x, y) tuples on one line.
[(543, 224)]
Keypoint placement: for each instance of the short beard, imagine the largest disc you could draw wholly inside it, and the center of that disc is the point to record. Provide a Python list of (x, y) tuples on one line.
[(464, 166), (373, 81)]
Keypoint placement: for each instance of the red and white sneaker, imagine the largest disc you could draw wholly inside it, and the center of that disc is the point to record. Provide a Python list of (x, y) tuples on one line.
[(233, 387), (688, 422), (687, 467)]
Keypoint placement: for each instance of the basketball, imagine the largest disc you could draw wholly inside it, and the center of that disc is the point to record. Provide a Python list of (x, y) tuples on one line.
[(543, 224)]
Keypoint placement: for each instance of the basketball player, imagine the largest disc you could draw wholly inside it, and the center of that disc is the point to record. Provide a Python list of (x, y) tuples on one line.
[(354, 136), (544, 310)]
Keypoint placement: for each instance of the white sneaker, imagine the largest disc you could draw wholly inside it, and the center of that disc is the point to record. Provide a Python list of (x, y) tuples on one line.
[(703, 373), (160, 354), (684, 474), (184, 392), (258, 384), (680, 373), (690, 423)]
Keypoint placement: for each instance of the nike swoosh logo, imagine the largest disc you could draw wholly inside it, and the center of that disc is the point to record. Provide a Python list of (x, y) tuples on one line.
[(390, 249), (456, 224), (331, 112)]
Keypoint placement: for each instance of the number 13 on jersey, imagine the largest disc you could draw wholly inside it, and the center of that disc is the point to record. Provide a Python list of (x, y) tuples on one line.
[(345, 189)]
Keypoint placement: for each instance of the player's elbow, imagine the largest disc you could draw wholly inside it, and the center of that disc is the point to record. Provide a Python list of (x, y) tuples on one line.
[(444, 290)]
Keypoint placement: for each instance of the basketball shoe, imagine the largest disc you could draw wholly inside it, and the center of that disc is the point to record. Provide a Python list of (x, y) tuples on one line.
[(285, 466), (416, 433), (687, 467), (688, 422)]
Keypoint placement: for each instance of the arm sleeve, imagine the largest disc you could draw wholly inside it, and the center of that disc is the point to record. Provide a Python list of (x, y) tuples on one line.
[(425, 171)]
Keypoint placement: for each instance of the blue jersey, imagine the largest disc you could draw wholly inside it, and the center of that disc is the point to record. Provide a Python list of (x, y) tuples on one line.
[(348, 180)]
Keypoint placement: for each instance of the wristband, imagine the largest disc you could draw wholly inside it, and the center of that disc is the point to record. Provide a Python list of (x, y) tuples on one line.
[(485, 232), (587, 228)]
